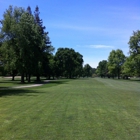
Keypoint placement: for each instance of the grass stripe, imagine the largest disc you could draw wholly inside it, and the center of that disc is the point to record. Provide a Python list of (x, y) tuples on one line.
[(81, 109)]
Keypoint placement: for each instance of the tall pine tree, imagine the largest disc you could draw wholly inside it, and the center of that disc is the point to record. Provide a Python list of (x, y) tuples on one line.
[(43, 45)]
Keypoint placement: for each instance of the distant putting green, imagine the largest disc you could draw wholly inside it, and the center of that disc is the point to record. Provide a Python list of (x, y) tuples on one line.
[(82, 109)]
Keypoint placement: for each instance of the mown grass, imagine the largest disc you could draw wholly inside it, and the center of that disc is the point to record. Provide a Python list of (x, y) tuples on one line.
[(83, 109), (7, 82)]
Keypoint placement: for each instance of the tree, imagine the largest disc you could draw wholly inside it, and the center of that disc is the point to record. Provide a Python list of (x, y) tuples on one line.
[(25, 44), (43, 45), (29, 11), (134, 49), (27, 41), (129, 67), (68, 62), (8, 38), (87, 70), (115, 62), (78, 65), (49, 66), (102, 68)]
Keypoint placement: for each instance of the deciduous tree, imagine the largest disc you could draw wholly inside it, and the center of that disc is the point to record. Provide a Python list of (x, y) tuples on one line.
[(129, 67), (87, 70), (102, 68), (134, 49), (8, 38), (68, 62), (115, 61)]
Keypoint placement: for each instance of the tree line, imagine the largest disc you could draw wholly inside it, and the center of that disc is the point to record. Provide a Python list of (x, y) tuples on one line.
[(118, 65), (25, 48)]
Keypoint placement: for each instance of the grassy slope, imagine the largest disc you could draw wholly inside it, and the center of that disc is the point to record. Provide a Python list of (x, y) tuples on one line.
[(72, 110)]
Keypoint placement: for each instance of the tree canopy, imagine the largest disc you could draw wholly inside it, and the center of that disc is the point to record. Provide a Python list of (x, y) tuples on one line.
[(115, 61), (102, 69), (119, 65), (87, 70), (69, 63), (134, 49), (24, 41)]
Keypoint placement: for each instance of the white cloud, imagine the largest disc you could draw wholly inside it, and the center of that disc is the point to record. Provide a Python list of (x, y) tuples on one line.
[(101, 46), (96, 46), (77, 27)]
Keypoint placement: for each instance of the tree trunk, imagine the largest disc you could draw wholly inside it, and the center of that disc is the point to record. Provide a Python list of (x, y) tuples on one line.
[(118, 74), (22, 78), (38, 77), (70, 75), (13, 75), (29, 78), (26, 76), (49, 77)]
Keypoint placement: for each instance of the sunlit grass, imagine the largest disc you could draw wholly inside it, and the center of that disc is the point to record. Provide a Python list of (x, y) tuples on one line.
[(72, 110)]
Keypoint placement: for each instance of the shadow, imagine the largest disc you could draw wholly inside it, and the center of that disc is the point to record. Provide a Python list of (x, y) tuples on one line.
[(60, 81), (18, 82), (3, 87), (7, 91), (52, 83), (16, 92), (8, 81), (85, 78), (43, 81), (137, 80), (125, 80)]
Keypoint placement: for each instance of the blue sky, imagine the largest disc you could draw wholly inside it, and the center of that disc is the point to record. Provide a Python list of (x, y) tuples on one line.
[(92, 27)]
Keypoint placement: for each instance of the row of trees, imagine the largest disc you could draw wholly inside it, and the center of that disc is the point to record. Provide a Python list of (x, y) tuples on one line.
[(68, 63), (118, 64), (25, 48), (24, 43)]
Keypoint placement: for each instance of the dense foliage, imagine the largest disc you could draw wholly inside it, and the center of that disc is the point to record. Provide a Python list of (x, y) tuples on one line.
[(87, 70), (69, 63), (118, 65), (25, 48), (24, 42), (134, 46), (115, 62), (102, 69)]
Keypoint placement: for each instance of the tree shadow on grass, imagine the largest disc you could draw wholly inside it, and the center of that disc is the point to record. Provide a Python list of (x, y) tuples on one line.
[(9, 82), (130, 80), (8, 91), (59, 81), (137, 80), (54, 83), (16, 92)]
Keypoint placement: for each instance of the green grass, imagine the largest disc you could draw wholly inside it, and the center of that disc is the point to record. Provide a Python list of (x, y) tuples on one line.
[(83, 109), (7, 82)]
